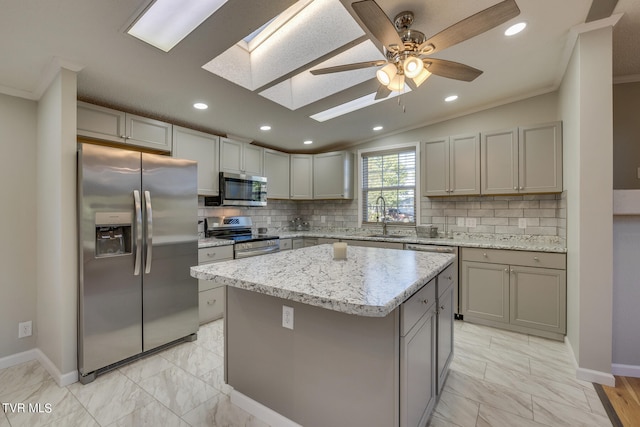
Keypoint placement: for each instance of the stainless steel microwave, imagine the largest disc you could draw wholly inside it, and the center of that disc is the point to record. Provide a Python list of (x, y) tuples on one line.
[(239, 190)]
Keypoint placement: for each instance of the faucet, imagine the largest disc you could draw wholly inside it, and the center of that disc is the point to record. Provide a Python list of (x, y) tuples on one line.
[(384, 211)]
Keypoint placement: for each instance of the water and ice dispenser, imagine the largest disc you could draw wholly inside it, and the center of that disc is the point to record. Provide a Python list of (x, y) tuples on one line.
[(113, 233)]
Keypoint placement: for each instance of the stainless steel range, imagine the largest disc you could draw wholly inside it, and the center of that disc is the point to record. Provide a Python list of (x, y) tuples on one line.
[(238, 229)]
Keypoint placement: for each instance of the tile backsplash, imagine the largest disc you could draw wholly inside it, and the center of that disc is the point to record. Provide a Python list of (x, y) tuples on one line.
[(541, 215)]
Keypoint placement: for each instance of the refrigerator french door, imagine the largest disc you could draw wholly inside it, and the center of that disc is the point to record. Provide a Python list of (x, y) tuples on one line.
[(137, 217)]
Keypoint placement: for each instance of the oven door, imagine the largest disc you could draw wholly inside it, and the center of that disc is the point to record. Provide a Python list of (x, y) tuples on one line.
[(242, 190)]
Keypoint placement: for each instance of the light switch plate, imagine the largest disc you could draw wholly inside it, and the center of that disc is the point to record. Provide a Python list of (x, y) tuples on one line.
[(470, 222), (287, 317), (323, 219), (460, 222), (522, 223)]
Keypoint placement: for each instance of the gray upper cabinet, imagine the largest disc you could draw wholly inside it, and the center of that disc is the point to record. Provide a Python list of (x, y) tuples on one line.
[(333, 175), (451, 166), (241, 157), (107, 124), (276, 169), (522, 160), (301, 186), (203, 148)]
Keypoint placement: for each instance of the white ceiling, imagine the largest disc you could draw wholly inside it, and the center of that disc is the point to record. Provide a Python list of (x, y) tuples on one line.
[(119, 70)]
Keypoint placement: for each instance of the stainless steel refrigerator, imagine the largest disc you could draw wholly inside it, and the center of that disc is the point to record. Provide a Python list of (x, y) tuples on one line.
[(137, 219)]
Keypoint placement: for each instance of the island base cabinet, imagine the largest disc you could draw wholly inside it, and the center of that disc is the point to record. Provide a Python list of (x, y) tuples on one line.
[(418, 362), (332, 369)]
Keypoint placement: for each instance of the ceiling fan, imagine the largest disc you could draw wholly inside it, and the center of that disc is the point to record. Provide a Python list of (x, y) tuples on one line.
[(407, 50)]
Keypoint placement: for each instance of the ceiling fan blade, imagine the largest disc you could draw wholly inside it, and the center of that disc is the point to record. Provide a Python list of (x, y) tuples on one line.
[(472, 26), (378, 24), (382, 92), (451, 70), (348, 67), (601, 9)]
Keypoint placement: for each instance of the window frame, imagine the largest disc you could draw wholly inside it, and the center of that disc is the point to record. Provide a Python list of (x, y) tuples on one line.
[(417, 196)]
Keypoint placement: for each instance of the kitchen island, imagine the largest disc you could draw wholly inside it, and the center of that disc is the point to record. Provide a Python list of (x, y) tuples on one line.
[(337, 342)]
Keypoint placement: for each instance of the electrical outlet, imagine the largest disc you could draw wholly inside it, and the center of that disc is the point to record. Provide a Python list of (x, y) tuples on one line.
[(24, 329), (323, 219), (460, 222), (287, 317), (470, 222), (268, 220), (522, 223)]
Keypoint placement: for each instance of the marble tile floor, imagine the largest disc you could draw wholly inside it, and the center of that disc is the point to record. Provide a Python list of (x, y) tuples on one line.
[(497, 378)]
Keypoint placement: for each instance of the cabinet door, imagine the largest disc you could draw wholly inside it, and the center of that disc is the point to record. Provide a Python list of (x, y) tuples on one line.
[(203, 148), (485, 291), (539, 298), (417, 372), (435, 167), (297, 243), (499, 162), (253, 160), (276, 169), (445, 333), (211, 304), (540, 153), (230, 155), (102, 123), (464, 165), (301, 176), (332, 175), (148, 133)]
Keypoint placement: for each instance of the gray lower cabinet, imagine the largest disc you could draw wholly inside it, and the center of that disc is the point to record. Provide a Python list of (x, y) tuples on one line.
[(447, 282), (418, 357), (210, 296), (518, 290), (286, 244)]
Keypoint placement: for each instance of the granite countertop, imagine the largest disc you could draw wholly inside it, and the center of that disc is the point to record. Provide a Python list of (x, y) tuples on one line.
[(370, 282), (521, 243)]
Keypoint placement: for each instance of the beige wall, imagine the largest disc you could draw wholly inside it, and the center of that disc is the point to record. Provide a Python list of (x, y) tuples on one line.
[(18, 125), (586, 110), (626, 135), (56, 226)]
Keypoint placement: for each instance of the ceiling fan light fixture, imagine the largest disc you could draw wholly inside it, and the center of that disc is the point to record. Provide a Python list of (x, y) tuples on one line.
[(386, 74), (420, 78), (413, 66), (397, 84)]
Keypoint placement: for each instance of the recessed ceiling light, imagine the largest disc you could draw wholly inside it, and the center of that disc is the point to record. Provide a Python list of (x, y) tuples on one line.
[(377, 128), (515, 29), (200, 106), (265, 127), (451, 98), (167, 22), (308, 141)]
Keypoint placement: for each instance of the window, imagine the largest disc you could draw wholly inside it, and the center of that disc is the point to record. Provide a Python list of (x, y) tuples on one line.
[(392, 175)]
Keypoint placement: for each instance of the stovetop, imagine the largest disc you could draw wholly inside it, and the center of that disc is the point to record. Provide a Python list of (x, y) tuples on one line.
[(247, 237)]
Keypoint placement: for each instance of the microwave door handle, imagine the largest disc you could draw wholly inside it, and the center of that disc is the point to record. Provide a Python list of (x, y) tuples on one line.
[(138, 219), (149, 242)]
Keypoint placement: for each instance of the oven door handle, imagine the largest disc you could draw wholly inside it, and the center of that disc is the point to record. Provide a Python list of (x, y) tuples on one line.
[(256, 252)]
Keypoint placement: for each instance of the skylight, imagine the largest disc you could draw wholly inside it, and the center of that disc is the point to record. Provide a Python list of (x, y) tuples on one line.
[(354, 105), (167, 22)]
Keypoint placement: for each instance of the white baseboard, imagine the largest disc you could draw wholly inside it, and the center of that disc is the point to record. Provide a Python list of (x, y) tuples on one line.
[(61, 379), (589, 375), (625, 370), (260, 411), (18, 358)]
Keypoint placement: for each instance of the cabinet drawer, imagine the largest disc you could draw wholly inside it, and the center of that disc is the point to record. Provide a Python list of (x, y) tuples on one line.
[(211, 304), (216, 253), (525, 258), (415, 307), (285, 244), (446, 278)]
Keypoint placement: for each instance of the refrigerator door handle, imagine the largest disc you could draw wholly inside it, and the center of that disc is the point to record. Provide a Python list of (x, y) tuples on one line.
[(138, 216), (149, 243)]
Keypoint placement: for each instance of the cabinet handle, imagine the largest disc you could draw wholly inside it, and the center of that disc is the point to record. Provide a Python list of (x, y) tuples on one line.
[(506, 270), (211, 302), (512, 270), (484, 254), (535, 258), (211, 254), (522, 188), (515, 188), (450, 278), (425, 301), (442, 308)]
